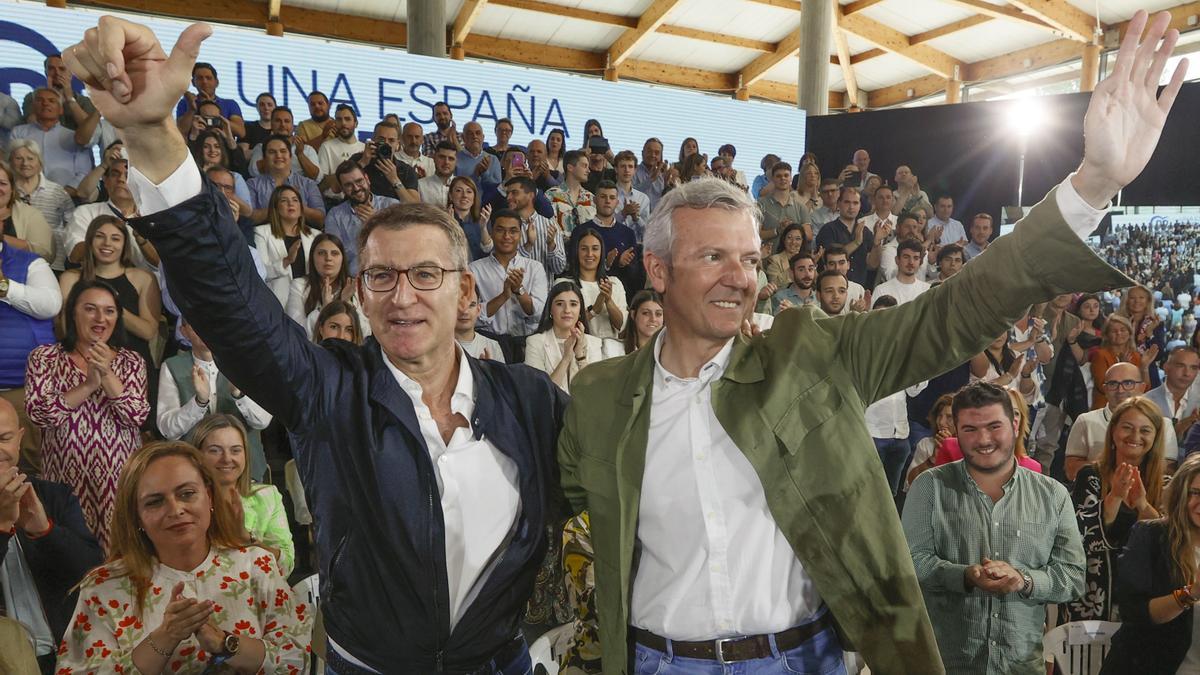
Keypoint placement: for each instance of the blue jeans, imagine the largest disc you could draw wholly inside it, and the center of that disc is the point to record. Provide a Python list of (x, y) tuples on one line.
[(820, 655), (894, 453)]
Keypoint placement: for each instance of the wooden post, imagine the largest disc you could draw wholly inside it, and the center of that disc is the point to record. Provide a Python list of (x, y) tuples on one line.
[(1089, 71), (953, 91), (59, 4), (742, 94), (274, 27), (610, 74)]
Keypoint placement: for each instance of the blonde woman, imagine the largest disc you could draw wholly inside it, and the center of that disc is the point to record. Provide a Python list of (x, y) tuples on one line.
[(1116, 346), (1124, 487)]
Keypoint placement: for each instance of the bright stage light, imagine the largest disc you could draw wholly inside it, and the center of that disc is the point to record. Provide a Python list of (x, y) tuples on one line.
[(1026, 116)]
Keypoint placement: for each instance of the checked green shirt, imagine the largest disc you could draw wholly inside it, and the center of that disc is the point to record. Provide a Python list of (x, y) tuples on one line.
[(951, 524)]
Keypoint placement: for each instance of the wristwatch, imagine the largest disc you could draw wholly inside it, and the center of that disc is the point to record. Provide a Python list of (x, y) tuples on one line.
[(3, 288), (1026, 585), (232, 643)]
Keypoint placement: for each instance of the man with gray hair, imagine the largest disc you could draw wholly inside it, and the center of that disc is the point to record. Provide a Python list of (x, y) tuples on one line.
[(430, 474), (738, 472)]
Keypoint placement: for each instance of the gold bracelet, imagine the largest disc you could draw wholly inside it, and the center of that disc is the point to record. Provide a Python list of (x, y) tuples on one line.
[(150, 641)]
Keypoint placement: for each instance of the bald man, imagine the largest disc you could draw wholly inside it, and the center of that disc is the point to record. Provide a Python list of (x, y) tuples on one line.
[(412, 137), (45, 546), (1121, 382)]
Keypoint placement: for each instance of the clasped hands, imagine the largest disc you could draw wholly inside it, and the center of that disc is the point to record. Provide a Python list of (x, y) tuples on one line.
[(993, 576)]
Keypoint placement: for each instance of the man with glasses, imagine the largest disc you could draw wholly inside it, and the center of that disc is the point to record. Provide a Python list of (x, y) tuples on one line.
[(346, 219), (430, 474), (1085, 444), (828, 210)]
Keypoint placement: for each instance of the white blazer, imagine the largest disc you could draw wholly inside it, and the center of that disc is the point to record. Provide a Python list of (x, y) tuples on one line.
[(272, 251), (543, 352)]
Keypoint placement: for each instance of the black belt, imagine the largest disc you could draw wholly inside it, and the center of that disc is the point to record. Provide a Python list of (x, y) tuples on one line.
[(501, 658), (736, 648)]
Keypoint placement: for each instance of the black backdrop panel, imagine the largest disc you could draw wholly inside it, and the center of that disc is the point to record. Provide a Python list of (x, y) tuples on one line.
[(970, 151)]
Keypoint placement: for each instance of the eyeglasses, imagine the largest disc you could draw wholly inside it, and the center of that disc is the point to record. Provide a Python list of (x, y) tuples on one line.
[(1124, 385), (421, 277)]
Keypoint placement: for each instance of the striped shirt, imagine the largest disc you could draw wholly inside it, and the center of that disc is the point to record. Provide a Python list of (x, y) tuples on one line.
[(55, 205), (554, 262), (951, 524)]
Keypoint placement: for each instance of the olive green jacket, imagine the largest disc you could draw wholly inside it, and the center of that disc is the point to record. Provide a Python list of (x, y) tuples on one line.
[(793, 401)]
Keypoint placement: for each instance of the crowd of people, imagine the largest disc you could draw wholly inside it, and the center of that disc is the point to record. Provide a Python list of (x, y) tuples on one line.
[(223, 294)]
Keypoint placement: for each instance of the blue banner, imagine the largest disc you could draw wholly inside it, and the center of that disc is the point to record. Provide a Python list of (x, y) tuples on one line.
[(379, 80)]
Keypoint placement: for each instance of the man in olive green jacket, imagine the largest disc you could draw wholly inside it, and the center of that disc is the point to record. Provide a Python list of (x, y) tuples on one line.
[(793, 399)]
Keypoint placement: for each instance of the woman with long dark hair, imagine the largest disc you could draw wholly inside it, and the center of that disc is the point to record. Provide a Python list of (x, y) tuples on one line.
[(284, 241), (563, 343), (556, 147), (87, 393), (645, 318), (603, 294), (327, 280)]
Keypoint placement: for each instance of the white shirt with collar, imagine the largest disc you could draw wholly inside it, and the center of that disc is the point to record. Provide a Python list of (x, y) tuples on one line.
[(425, 164), (888, 417), (434, 189), (176, 418), (39, 296), (713, 561), (477, 483), (871, 220)]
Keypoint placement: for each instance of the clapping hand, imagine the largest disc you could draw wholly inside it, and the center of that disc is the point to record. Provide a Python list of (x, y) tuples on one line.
[(514, 279), (627, 257), (1122, 483), (767, 291), (183, 617), (201, 384), (610, 257), (580, 344), (13, 486), (293, 251), (1135, 498)]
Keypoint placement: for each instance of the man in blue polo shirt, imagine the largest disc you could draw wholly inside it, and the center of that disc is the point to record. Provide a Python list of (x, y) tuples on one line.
[(204, 78)]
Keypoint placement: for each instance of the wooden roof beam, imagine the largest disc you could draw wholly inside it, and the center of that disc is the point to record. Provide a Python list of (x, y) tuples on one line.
[(848, 76), (756, 69), (467, 14), (793, 5), (651, 19), (949, 28), (569, 12), (1072, 22), (1001, 12), (896, 42), (718, 38)]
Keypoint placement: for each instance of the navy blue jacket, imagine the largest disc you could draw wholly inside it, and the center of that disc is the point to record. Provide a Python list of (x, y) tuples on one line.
[(60, 559), (362, 459)]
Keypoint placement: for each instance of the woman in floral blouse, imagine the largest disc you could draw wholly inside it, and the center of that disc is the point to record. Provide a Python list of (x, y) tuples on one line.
[(179, 592), (221, 439), (1125, 486)]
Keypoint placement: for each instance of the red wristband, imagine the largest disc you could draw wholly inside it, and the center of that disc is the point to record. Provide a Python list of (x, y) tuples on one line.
[(49, 529)]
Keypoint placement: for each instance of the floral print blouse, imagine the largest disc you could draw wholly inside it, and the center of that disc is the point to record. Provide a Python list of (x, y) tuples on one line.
[(252, 599)]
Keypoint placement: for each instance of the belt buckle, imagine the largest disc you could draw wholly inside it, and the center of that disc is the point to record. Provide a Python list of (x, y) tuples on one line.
[(718, 647)]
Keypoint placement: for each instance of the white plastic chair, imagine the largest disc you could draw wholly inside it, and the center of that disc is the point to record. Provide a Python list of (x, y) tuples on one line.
[(1079, 647), (547, 649), (308, 591)]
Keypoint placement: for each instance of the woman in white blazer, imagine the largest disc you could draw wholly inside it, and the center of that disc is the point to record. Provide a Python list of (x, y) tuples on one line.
[(563, 345), (328, 279), (284, 241)]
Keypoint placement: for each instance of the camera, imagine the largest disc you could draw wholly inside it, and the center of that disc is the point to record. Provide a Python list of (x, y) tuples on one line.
[(210, 121), (598, 145), (383, 151)]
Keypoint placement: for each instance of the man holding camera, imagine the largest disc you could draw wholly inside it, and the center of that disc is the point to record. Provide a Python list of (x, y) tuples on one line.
[(389, 176), (204, 78)]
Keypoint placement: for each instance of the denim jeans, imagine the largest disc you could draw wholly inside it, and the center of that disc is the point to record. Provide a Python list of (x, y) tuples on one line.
[(819, 655), (894, 453)]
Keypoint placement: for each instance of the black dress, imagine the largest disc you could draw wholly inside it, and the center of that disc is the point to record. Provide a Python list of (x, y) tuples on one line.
[(129, 299)]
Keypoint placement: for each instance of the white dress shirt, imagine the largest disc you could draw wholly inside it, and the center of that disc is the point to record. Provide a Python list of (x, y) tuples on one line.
[(311, 154), (424, 166), (478, 488), (713, 561), (39, 296), (888, 417), (854, 293), (176, 418), (510, 319), (434, 189)]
